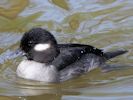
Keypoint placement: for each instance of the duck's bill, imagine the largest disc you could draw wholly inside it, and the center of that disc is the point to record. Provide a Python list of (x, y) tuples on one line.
[(9, 54), (18, 52)]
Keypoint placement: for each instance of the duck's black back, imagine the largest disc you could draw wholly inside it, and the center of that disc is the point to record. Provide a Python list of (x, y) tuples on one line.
[(70, 53)]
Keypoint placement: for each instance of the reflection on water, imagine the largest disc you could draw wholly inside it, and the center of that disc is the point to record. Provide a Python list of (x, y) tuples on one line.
[(105, 24)]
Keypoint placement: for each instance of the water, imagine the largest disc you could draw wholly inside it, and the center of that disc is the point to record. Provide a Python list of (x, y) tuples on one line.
[(106, 24)]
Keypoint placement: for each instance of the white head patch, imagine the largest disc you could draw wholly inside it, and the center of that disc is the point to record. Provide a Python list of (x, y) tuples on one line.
[(41, 47)]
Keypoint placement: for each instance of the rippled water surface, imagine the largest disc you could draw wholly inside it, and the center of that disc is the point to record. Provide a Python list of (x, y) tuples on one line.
[(106, 24)]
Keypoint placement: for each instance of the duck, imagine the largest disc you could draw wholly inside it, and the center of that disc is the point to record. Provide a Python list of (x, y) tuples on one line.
[(52, 62)]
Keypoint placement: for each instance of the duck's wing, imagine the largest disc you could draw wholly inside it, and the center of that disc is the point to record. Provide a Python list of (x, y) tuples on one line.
[(88, 62), (68, 56), (88, 48), (73, 52), (69, 53), (93, 50)]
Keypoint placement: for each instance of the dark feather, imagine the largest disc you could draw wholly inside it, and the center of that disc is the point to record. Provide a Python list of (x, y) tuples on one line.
[(69, 53)]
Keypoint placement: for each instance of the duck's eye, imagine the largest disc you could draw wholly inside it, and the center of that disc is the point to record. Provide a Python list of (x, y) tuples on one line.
[(31, 43)]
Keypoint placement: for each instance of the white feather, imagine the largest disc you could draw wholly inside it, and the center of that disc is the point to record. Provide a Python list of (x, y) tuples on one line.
[(41, 47), (37, 71)]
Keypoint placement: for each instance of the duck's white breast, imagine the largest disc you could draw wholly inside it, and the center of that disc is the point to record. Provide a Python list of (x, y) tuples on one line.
[(37, 71)]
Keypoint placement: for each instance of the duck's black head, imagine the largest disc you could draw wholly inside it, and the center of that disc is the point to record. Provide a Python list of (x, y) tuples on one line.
[(39, 45)]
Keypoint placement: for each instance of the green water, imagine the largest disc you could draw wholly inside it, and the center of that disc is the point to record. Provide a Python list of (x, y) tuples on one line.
[(106, 24)]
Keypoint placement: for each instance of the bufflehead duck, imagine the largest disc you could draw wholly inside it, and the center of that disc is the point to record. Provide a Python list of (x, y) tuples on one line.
[(49, 61)]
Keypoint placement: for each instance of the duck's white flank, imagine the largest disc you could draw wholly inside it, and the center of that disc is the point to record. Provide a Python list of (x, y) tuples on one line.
[(41, 47), (37, 71)]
